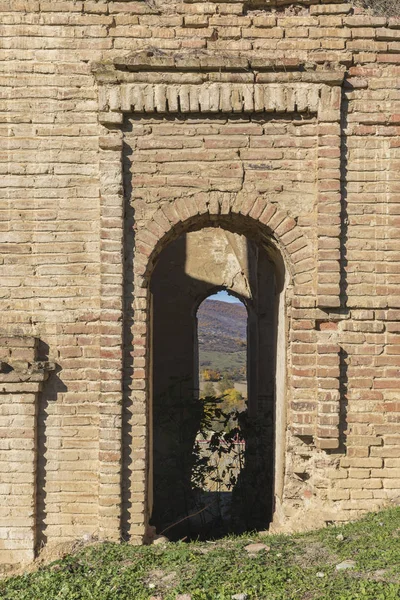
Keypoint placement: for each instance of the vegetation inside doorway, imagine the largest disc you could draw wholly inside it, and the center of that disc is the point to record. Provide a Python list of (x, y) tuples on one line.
[(220, 444), (210, 434), (213, 379)]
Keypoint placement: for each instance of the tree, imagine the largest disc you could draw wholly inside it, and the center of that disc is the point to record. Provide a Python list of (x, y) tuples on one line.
[(211, 375), (226, 383), (232, 399)]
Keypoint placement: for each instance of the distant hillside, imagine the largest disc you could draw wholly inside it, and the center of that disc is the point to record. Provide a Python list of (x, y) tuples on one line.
[(222, 327)]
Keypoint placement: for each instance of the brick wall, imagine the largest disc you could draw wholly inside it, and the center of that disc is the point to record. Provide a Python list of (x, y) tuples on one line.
[(21, 381), (71, 153)]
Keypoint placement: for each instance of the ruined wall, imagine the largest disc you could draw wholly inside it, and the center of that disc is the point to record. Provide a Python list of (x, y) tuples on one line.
[(327, 166)]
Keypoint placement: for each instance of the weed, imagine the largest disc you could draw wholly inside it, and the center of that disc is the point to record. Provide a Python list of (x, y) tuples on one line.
[(389, 8), (296, 567)]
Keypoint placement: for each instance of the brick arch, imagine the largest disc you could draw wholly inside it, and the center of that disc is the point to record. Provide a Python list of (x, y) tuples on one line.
[(251, 213)]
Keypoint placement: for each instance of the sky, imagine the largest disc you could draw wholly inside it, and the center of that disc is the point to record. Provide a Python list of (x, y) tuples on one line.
[(224, 297)]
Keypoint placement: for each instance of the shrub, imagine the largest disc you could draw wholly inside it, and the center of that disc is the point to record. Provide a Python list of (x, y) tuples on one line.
[(389, 8)]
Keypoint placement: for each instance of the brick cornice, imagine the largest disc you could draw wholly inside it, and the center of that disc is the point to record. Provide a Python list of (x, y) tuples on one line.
[(128, 67), (153, 81)]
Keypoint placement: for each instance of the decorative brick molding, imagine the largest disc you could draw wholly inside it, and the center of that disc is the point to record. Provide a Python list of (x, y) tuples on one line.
[(21, 380), (144, 83), (155, 82), (152, 83)]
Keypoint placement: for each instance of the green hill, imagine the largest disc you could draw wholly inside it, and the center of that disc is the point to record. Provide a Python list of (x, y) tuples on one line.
[(222, 333)]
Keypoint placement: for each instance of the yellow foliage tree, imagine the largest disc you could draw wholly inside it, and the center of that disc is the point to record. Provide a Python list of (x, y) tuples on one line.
[(233, 398), (211, 375)]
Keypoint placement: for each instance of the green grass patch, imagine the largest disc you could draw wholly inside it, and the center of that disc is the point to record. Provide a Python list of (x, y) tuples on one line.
[(222, 361), (297, 567)]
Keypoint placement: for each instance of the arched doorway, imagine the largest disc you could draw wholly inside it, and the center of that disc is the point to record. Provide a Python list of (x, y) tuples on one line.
[(188, 270)]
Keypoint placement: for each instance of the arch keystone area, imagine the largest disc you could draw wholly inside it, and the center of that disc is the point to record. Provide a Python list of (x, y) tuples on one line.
[(181, 214)]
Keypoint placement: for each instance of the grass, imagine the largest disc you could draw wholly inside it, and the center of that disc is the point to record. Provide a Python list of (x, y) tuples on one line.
[(297, 567), (222, 361)]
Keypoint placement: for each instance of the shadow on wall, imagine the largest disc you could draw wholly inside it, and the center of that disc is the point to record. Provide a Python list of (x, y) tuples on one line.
[(343, 395), (51, 390), (129, 350)]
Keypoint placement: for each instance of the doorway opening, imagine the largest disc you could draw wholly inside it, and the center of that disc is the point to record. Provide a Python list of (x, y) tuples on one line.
[(220, 444), (213, 449)]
